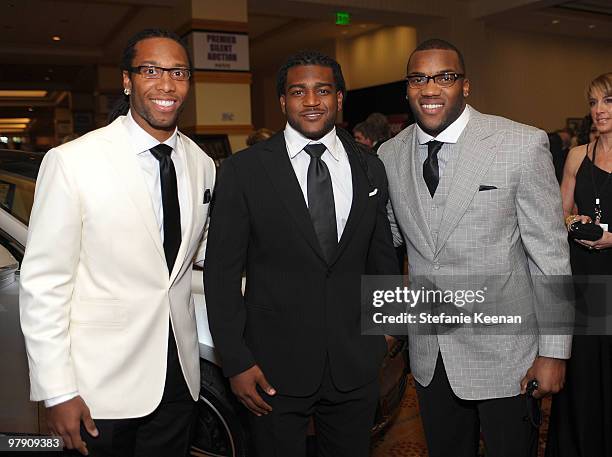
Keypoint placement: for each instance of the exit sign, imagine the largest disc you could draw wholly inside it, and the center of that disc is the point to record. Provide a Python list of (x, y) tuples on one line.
[(343, 18)]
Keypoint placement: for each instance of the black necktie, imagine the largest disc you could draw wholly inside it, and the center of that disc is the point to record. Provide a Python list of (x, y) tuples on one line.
[(170, 203), (321, 200), (431, 172)]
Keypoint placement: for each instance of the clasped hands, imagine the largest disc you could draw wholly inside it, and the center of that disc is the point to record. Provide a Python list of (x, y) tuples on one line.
[(603, 243)]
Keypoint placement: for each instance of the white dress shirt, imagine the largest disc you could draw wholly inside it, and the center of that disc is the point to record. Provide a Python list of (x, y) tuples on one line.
[(450, 134), (142, 142), (337, 162)]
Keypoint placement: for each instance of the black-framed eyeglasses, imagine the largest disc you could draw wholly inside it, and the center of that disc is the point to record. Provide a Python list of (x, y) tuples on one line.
[(153, 72), (441, 79)]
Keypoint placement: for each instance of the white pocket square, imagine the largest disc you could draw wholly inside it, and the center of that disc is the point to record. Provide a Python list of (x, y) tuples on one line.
[(374, 192)]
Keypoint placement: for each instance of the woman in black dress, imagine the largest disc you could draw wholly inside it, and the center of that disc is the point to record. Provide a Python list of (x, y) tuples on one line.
[(581, 415)]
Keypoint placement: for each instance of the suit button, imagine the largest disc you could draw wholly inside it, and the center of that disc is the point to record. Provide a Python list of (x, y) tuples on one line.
[(434, 207), (436, 266)]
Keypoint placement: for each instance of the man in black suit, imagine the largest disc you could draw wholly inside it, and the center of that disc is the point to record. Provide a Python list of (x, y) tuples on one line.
[(303, 213)]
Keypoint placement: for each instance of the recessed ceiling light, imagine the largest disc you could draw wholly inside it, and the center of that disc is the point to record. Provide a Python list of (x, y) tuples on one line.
[(556, 21), (30, 109), (56, 38), (47, 78), (592, 26), (23, 93), (15, 120)]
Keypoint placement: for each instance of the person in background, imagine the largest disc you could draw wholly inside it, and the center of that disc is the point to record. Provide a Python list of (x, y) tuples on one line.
[(560, 143), (581, 415), (381, 130), (119, 216), (363, 133), (587, 131), (259, 135)]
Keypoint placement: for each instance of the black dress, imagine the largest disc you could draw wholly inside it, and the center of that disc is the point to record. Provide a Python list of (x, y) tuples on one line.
[(581, 414)]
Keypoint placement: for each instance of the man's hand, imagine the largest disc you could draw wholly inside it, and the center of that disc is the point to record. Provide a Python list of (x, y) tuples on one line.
[(550, 374), (65, 420), (244, 385)]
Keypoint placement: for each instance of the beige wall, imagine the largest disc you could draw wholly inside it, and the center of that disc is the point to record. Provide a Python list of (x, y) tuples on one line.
[(214, 100), (540, 79), (376, 58), (219, 10)]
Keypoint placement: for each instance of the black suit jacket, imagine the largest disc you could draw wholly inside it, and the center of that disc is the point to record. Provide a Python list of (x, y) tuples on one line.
[(297, 309)]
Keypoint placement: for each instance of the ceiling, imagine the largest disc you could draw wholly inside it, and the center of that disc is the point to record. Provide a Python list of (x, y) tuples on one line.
[(93, 32)]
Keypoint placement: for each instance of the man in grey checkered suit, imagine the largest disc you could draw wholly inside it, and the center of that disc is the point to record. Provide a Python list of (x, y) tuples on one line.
[(474, 194)]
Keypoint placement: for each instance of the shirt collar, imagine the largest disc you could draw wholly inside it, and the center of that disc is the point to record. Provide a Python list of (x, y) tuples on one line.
[(296, 141), (450, 134), (141, 140)]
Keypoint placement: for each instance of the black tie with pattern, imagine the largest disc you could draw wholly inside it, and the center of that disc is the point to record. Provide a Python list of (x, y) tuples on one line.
[(431, 172), (170, 203), (321, 200)]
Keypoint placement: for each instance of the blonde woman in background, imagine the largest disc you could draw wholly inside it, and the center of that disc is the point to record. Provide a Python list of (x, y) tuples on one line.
[(581, 416)]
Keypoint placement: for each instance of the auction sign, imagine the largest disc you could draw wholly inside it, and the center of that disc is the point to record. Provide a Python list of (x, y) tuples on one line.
[(220, 51)]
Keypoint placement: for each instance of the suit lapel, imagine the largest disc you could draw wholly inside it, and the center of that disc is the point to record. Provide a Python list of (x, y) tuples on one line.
[(477, 152), (361, 189), (411, 162), (123, 159), (276, 162), (190, 170)]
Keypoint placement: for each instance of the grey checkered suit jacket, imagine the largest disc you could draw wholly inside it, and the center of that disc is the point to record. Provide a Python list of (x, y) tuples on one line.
[(515, 229)]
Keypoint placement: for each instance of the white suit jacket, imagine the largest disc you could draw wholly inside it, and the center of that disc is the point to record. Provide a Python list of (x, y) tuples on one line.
[(96, 294)]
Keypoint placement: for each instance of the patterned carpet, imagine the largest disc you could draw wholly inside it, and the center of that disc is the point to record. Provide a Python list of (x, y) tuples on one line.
[(405, 437)]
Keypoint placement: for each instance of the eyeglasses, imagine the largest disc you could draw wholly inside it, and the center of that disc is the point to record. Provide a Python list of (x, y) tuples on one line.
[(441, 79), (153, 72)]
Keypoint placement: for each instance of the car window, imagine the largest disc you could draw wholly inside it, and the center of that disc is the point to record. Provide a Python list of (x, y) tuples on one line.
[(18, 171), (6, 259), (12, 245)]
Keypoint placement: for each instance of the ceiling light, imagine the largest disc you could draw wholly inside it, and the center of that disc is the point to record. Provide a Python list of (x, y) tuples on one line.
[(12, 126), (556, 21), (18, 120), (56, 38), (30, 109), (23, 93), (3, 130), (47, 78), (592, 26)]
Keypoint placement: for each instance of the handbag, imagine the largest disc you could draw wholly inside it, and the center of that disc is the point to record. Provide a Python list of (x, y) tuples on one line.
[(589, 231)]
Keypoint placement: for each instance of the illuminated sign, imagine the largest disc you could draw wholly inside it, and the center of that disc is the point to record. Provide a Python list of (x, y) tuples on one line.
[(343, 18)]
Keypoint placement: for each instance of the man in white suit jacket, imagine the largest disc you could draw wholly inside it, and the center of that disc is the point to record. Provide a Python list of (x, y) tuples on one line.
[(476, 195), (106, 307)]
